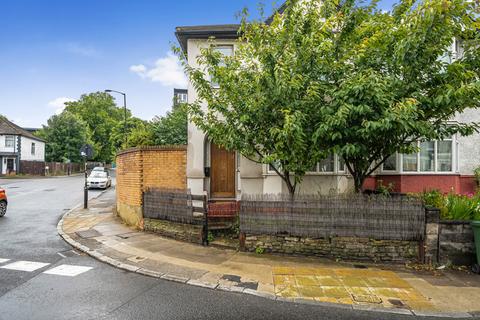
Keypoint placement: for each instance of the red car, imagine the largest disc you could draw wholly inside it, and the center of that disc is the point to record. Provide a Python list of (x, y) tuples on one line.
[(3, 202)]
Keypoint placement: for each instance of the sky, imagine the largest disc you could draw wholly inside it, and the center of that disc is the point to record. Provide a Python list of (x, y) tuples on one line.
[(53, 51)]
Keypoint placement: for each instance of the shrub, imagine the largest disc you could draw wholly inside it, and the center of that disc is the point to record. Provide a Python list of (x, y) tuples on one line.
[(453, 206)]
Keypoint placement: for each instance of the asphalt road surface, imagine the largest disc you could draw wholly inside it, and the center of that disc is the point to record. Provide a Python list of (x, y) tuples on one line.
[(41, 277)]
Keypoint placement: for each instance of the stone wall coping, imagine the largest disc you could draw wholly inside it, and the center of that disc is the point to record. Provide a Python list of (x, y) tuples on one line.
[(153, 148), (455, 222)]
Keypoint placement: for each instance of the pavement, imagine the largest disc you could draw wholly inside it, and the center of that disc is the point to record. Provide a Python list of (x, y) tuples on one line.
[(395, 289)]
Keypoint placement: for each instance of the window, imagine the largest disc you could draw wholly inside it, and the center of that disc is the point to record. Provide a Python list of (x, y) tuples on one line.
[(390, 164), (444, 155), (427, 156), (226, 51), (328, 164), (33, 148), (9, 141), (433, 156)]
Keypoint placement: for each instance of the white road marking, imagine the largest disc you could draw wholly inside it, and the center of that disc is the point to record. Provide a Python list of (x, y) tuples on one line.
[(28, 266), (61, 255), (68, 270), (4, 260)]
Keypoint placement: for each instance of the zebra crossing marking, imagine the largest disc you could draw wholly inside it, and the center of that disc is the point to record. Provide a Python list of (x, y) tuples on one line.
[(67, 270), (3, 260), (28, 266)]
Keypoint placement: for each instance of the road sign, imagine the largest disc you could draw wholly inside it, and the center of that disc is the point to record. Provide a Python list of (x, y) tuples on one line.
[(86, 151)]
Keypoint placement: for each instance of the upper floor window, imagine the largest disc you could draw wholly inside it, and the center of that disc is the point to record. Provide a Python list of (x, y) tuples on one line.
[(9, 141), (33, 148), (226, 51)]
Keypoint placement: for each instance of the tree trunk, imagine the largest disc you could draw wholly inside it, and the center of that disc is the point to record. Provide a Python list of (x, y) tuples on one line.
[(358, 180)]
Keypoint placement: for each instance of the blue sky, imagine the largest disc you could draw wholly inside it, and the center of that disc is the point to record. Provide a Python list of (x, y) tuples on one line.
[(55, 50)]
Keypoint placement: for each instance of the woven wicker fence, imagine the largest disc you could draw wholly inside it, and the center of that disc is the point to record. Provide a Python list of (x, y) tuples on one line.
[(375, 217), (170, 204)]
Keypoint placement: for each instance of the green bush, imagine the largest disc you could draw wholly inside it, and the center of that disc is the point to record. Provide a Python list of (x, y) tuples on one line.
[(453, 206)]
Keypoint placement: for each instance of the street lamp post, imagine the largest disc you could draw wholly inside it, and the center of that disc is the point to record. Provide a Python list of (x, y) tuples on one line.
[(124, 111)]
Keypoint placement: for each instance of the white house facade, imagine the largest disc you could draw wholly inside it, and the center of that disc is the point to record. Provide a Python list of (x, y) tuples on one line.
[(17, 144)]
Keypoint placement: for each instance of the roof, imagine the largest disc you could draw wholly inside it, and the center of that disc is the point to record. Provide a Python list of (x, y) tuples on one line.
[(10, 128), (223, 31)]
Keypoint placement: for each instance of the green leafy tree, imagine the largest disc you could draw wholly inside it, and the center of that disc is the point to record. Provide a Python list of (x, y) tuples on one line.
[(138, 133), (65, 134), (171, 129), (340, 76), (388, 79), (263, 102), (99, 112)]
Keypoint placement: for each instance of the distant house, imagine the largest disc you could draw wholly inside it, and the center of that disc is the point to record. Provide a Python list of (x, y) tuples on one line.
[(180, 96), (18, 144), (446, 165)]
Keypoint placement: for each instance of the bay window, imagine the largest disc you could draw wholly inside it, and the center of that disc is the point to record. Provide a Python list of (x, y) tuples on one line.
[(433, 156)]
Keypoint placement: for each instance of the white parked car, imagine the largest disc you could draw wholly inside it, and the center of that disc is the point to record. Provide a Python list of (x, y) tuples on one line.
[(99, 179)]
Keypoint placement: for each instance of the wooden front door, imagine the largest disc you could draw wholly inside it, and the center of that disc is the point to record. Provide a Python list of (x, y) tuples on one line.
[(222, 177)]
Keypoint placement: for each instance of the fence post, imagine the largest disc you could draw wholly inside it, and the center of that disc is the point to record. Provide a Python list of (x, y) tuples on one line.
[(432, 233), (205, 221)]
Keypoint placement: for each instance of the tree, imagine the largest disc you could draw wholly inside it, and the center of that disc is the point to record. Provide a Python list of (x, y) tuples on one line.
[(387, 79), (170, 129), (99, 112), (65, 134), (138, 133), (263, 102), (339, 76)]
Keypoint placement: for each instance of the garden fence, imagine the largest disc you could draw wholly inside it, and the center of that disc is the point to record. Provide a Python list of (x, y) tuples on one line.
[(376, 216)]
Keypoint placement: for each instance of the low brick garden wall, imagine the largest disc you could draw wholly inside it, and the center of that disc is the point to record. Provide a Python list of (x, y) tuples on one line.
[(177, 231), (141, 168), (456, 243), (345, 248)]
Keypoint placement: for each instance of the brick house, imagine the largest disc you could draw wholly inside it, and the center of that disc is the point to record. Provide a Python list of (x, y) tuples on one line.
[(18, 144), (446, 165)]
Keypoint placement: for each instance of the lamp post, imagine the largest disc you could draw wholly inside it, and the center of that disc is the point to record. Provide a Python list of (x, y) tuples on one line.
[(125, 112)]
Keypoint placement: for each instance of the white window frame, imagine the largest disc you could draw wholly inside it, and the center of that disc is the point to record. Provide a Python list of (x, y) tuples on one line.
[(224, 45), (399, 158), (33, 148), (11, 138), (336, 169)]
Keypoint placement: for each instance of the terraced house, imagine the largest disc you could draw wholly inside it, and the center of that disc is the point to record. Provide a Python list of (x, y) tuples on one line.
[(17, 144), (446, 165)]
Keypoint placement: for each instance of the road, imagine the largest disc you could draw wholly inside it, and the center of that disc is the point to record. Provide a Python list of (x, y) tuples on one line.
[(57, 282)]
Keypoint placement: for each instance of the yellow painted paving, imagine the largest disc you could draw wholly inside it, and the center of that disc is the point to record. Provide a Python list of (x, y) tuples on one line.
[(348, 286)]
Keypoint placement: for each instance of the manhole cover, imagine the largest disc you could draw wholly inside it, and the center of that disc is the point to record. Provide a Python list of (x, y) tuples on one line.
[(366, 298), (88, 234), (396, 302)]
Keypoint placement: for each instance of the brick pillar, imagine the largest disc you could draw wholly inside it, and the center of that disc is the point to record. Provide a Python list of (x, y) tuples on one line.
[(432, 233)]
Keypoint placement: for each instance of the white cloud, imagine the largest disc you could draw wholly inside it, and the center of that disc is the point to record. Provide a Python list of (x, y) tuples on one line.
[(59, 104), (81, 49), (167, 70)]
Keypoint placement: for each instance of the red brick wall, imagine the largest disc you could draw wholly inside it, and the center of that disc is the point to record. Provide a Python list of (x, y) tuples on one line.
[(419, 183)]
